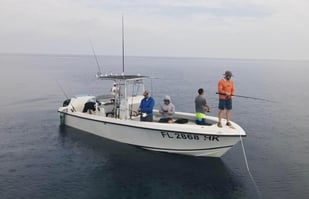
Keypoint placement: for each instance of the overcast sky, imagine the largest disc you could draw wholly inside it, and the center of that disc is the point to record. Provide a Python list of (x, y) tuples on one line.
[(268, 29)]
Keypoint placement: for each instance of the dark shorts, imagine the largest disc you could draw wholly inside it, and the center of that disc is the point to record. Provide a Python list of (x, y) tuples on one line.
[(148, 118), (202, 122), (165, 120), (225, 104)]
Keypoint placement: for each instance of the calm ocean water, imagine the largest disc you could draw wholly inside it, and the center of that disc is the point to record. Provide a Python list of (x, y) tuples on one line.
[(38, 159)]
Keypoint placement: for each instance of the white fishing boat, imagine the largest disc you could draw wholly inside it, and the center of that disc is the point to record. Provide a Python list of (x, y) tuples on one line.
[(115, 118)]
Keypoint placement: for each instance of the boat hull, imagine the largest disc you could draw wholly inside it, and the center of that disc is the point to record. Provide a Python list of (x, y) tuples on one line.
[(172, 138)]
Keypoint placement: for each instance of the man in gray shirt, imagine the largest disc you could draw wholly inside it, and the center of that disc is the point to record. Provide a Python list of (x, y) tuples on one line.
[(201, 107)]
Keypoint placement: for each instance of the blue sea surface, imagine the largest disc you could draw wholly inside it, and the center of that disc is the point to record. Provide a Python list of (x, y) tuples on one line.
[(39, 159)]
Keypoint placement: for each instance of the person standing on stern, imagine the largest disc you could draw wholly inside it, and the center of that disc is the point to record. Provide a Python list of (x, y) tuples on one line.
[(226, 90)]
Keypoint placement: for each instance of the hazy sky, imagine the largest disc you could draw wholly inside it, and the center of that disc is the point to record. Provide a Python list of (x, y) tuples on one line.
[(271, 29)]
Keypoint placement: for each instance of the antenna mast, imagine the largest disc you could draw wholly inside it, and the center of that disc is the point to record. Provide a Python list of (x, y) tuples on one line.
[(122, 45)]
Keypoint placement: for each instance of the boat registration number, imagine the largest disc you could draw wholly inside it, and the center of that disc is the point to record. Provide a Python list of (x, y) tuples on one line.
[(189, 136)]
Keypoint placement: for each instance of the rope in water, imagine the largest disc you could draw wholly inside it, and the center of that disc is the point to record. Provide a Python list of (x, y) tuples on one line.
[(248, 169)]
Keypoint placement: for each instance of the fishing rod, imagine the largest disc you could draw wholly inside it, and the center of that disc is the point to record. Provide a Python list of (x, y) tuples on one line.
[(64, 93), (247, 97), (61, 88), (95, 56)]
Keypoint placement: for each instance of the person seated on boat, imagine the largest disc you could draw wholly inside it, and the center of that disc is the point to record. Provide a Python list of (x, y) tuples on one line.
[(145, 109), (89, 106), (201, 107), (167, 110)]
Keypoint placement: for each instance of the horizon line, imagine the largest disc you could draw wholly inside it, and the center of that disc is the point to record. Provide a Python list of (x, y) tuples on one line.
[(150, 56)]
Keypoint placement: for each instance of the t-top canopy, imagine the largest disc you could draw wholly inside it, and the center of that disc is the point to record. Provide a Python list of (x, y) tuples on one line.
[(121, 77)]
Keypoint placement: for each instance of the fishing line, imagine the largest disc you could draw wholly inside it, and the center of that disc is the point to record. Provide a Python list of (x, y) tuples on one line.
[(248, 169)]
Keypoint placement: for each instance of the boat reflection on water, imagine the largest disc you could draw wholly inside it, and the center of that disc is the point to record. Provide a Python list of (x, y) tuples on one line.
[(125, 171)]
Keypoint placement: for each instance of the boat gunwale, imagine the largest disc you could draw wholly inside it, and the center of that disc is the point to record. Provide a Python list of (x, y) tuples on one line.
[(139, 126)]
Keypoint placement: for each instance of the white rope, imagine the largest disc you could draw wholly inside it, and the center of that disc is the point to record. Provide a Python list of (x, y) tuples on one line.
[(248, 169)]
